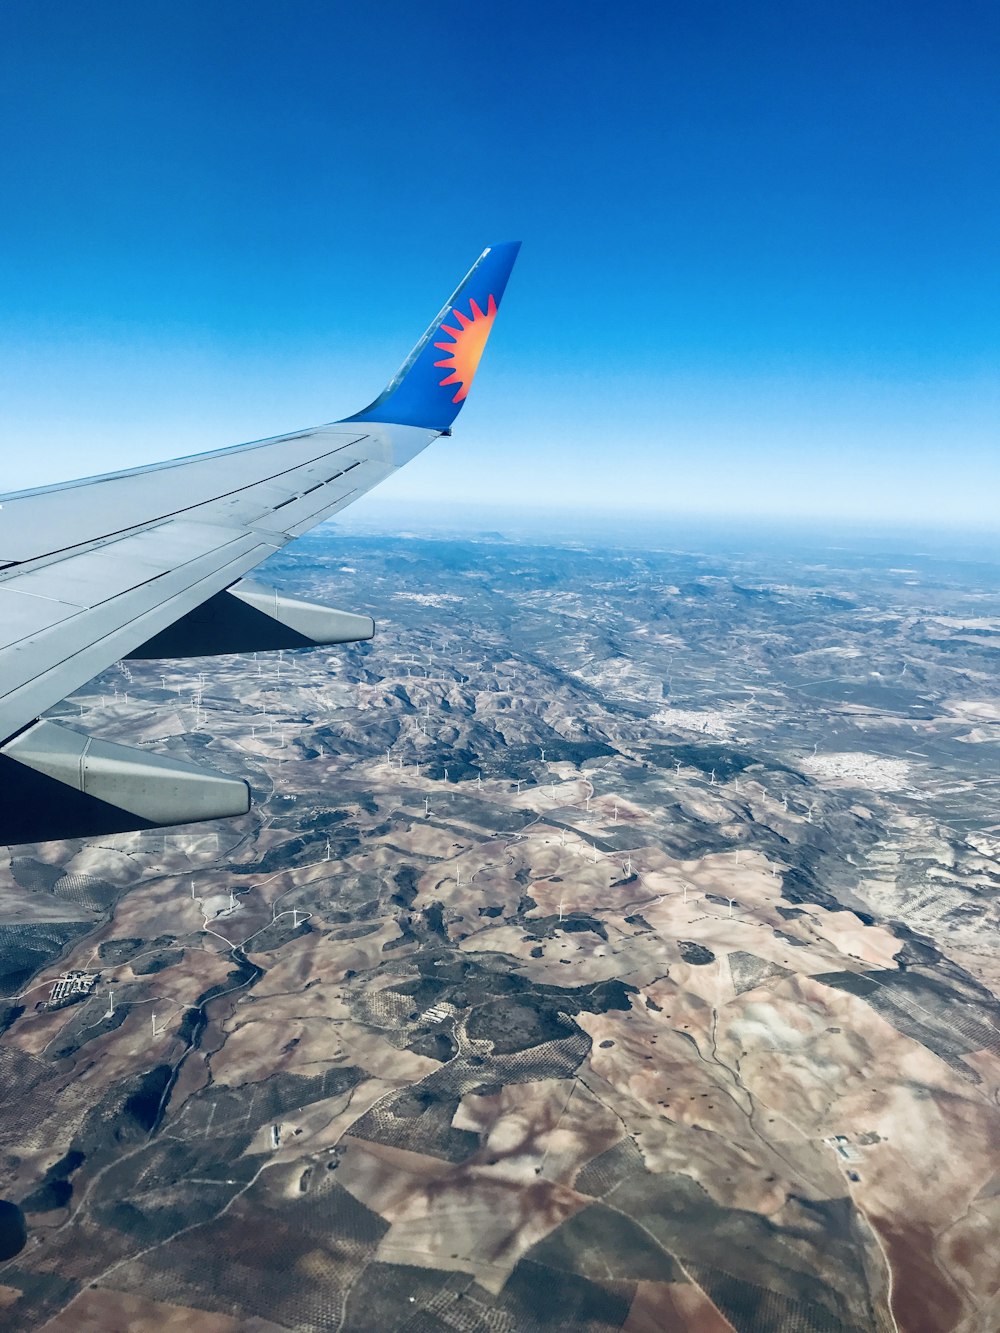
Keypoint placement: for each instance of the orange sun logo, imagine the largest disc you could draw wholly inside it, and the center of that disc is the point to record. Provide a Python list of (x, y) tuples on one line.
[(466, 347)]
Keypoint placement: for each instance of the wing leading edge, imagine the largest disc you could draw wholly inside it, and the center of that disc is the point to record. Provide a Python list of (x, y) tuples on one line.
[(151, 562)]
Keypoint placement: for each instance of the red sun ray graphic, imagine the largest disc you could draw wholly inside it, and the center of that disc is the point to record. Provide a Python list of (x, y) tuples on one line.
[(466, 347)]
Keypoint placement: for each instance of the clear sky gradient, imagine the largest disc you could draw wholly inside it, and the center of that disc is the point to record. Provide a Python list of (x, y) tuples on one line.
[(760, 272)]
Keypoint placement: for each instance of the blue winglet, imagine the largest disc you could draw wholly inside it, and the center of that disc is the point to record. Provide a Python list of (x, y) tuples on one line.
[(432, 383)]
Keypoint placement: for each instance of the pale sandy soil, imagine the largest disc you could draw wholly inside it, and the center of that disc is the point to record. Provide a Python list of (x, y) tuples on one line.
[(707, 721), (971, 710), (856, 769)]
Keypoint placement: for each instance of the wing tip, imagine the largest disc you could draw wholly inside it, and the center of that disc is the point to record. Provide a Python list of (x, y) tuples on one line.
[(420, 393)]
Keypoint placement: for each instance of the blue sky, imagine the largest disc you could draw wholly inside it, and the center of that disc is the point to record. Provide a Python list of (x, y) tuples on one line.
[(760, 271)]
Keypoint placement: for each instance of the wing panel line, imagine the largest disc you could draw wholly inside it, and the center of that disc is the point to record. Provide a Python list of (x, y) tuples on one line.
[(184, 509), (53, 682)]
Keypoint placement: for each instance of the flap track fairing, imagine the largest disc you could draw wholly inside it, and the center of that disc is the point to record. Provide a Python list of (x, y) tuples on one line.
[(251, 618), (58, 783)]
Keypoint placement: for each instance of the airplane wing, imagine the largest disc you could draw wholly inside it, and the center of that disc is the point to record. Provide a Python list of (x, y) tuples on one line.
[(151, 563)]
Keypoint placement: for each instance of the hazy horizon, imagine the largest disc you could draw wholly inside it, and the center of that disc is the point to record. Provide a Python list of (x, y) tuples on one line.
[(663, 530)]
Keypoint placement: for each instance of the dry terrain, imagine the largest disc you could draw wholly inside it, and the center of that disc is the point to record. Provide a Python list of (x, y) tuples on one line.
[(611, 946)]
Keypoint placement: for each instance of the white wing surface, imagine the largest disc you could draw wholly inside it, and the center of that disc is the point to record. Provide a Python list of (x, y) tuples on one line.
[(151, 563)]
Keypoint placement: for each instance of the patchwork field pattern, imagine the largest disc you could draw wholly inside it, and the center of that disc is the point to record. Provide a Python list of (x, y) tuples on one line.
[(611, 946)]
